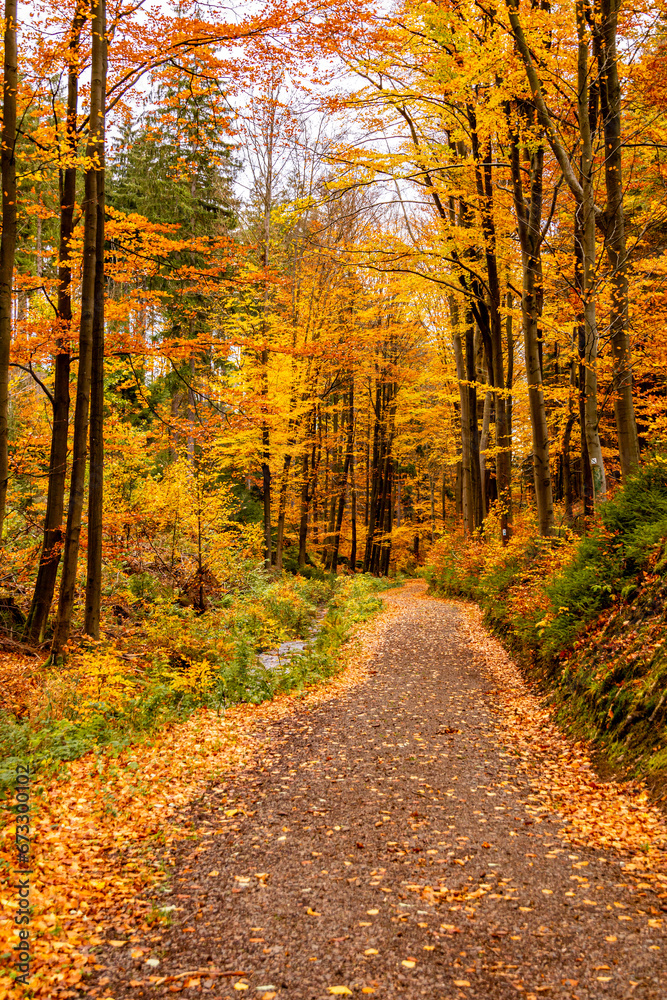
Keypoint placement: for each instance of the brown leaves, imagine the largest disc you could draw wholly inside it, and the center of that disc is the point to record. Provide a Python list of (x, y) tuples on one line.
[(82, 822)]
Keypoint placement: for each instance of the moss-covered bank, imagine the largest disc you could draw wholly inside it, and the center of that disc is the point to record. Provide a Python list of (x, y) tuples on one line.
[(586, 616)]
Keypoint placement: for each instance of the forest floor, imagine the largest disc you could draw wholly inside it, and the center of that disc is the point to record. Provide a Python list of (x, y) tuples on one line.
[(425, 832)]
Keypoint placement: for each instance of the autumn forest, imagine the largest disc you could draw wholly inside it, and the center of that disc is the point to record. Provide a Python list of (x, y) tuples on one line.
[(302, 303)]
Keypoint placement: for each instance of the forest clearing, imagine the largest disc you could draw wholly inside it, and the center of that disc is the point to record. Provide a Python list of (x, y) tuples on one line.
[(333, 375)]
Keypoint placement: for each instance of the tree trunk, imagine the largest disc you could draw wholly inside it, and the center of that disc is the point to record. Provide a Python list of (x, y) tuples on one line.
[(483, 445), (303, 512), (494, 338), (79, 444), (266, 467), (568, 491), (529, 217), (614, 226), (466, 492), (443, 499), (349, 453), (8, 240), (385, 560), (353, 517), (282, 511), (587, 229), (45, 584), (96, 460), (471, 387)]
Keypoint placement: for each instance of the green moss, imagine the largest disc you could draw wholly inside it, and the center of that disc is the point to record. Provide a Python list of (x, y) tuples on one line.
[(598, 649)]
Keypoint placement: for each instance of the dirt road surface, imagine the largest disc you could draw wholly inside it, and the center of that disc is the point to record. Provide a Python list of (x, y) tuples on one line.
[(396, 841)]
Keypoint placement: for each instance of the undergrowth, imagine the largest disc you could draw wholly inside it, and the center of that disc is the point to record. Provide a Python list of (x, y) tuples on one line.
[(587, 616), (174, 660)]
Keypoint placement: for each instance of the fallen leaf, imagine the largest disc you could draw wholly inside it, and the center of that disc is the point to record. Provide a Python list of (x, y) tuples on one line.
[(371, 951), (408, 963), (461, 982), (340, 991)]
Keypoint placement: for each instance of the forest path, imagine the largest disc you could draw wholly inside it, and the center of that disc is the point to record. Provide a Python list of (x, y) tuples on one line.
[(394, 841)]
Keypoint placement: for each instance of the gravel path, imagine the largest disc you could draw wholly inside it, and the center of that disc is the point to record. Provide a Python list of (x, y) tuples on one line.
[(388, 843)]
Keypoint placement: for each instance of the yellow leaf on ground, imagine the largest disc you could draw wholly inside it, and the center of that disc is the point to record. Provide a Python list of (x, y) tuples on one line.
[(408, 963), (340, 991), (371, 951), (461, 982)]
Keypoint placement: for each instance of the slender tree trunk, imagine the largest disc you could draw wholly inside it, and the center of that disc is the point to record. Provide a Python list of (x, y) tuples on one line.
[(96, 461), (494, 342), (443, 500), (385, 561), (303, 512), (471, 376), (509, 333), (467, 496), (374, 475), (353, 517), (8, 240), (266, 467), (340, 508), (282, 511), (568, 492), (587, 210), (417, 521), (349, 454), (431, 483), (483, 445), (614, 225), (47, 572), (529, 217), (587, 491), (79, 444)]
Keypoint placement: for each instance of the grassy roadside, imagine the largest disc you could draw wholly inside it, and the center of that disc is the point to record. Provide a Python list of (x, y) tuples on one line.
[(102, 826), (172, 661), (587, 617)]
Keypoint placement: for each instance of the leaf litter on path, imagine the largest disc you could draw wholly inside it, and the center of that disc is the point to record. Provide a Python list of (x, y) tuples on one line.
[(415, 807), (94, 827)]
